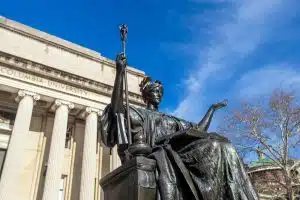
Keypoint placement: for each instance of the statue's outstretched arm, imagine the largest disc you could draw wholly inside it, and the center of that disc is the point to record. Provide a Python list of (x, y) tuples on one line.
[(204, 124), (117, 94)]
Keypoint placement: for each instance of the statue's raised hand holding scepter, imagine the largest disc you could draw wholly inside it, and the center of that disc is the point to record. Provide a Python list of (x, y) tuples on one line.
[(137, 145), (123, 32)]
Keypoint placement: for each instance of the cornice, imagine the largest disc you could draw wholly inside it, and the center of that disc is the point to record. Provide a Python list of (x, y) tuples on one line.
[(263, 168), (63, 77), (59, 43)]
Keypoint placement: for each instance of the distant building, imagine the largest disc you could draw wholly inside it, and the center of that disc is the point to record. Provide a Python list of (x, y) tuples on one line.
[(268, 179)]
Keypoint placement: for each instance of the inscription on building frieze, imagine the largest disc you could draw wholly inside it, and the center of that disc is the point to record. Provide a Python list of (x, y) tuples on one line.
[(56, 79), (12, 73)]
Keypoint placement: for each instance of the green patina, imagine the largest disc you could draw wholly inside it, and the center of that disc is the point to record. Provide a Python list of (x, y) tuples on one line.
[(262, 162)]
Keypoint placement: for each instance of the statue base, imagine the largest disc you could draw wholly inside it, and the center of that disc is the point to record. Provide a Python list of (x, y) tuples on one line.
[(134, 180)]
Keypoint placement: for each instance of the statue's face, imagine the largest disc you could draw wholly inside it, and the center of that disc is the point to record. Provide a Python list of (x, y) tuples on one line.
[(155, 95)]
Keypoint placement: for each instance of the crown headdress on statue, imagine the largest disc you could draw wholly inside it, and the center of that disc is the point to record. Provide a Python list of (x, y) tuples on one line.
[(145, 82), (147, 86)]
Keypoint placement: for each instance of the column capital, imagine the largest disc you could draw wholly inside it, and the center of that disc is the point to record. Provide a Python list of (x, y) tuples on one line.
[(23, 93), (89, 110), (60, 102)]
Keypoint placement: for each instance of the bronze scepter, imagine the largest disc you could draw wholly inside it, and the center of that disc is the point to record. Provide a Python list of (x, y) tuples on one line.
[(123, 32)]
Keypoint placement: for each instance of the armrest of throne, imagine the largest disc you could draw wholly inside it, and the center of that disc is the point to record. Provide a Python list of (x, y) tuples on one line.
[(134, 180)]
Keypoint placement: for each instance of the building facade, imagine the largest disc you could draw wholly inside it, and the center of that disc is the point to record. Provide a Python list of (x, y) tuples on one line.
[(268, 179), (51, 94)]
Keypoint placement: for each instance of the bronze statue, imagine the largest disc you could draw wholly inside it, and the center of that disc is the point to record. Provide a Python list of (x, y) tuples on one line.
[(191, 162)]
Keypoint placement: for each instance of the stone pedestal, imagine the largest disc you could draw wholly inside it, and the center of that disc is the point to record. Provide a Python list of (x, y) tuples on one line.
[(134, 180)]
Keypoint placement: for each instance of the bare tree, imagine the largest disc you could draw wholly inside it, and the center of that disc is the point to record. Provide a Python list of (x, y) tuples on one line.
[(273, 126)]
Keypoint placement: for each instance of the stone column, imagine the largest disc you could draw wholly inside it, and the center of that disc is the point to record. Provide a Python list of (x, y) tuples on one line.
[(14, 157), (88, 170), (115, 160), (56, 154)]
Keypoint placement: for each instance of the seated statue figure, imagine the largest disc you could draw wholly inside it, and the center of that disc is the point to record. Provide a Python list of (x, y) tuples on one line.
[(191, 162)]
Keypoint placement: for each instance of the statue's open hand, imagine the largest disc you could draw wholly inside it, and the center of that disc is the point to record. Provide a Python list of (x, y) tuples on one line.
[(121, 61), (220, 104)]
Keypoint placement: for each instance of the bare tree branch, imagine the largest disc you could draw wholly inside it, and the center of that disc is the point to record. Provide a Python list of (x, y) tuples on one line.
[(295, 165), (274, 125)]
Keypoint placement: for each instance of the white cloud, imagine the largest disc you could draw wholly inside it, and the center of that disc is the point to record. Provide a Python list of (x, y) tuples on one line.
[(237, 31), (262, 81)]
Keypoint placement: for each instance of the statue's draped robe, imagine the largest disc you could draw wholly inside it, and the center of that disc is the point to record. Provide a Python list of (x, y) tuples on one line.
[(205, 166)]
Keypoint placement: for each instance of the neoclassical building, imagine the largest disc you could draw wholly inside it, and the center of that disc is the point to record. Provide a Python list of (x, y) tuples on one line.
[(51, 93)]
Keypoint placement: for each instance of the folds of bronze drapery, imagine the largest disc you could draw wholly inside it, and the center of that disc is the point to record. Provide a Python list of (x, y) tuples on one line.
[(191, 164), (204, 167)]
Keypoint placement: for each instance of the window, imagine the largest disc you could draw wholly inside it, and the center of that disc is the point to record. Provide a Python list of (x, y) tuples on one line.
[(69, 135)]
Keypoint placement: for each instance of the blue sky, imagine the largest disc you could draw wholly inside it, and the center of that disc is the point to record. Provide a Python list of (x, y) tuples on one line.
[(202, 50)]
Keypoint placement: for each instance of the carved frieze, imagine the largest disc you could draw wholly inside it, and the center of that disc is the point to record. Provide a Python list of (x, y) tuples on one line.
[(67, 81)]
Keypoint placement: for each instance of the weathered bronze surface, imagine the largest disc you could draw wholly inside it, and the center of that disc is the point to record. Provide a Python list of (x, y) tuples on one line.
[(191, 162)]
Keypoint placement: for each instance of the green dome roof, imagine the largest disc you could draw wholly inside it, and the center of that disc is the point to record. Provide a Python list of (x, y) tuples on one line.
[(261, 162)]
